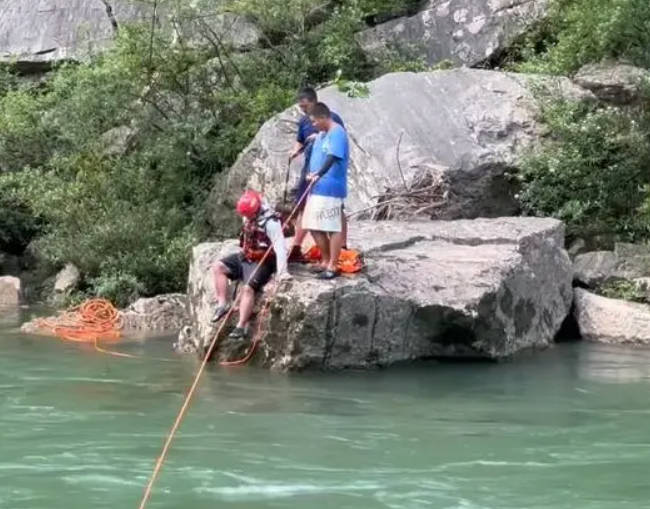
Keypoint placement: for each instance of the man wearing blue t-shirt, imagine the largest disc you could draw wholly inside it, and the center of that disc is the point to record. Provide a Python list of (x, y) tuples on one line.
[(328, 170), (307, 133)]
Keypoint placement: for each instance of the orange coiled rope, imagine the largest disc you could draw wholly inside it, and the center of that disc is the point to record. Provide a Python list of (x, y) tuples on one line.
[(92, 321)]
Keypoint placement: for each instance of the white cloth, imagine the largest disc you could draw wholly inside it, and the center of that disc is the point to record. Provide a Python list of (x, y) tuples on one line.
[(273, 227), (323, 214)]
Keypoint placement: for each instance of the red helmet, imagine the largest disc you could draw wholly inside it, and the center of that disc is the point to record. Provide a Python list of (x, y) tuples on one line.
[(249, 204)]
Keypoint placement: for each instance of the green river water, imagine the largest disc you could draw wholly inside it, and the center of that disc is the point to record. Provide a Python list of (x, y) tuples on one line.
[(564, 428)]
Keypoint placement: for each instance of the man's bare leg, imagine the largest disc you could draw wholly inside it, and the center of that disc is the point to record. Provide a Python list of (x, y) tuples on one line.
[(323, 243), (220, 277), (246, 306), (336, 244)]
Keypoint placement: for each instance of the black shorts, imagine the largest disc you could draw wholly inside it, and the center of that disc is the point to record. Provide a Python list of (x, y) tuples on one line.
[(239, 269)]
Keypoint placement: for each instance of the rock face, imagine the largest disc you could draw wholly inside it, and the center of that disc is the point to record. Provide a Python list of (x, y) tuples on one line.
[(594, 268), (467, 32), (67, 279), (37, 33), (10, 291), (163, 313), (462, 128), (483, 288), (617, 83), (611, 320), (627, 261)]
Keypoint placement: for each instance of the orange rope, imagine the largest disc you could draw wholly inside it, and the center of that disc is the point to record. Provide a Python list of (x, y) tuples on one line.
[(213, 344), (93, 320)]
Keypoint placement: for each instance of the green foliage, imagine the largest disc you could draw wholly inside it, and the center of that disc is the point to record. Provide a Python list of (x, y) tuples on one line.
[(593, 170), (8, 79), (351, 88), (581, 31), (625, 290), (127, 214)]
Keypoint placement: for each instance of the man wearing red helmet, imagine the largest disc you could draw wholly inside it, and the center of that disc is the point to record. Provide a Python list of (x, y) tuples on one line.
[(261, 231)]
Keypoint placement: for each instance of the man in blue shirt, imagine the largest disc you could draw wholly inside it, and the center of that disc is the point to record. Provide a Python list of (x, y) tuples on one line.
[(328, 171), (307, 99)]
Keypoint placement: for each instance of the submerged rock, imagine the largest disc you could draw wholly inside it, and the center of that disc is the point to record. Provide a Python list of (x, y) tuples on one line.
[(466, 32), (462, 131), (486, 288), (613, 321), (163, 313)]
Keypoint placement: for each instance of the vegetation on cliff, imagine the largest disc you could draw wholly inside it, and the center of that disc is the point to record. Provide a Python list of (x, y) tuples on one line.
[(593, 170), (126, 206)]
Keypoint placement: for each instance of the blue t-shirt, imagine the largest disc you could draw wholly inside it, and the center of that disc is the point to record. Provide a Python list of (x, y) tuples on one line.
[(306, 128), (335, 181)]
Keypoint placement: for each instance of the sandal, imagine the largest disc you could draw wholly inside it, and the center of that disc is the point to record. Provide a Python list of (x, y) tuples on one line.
[(220, 312), (328, 274), (317, 269), (239, 333)]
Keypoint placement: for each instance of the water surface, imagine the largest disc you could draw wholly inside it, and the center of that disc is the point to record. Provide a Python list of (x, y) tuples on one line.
[(565, 428)]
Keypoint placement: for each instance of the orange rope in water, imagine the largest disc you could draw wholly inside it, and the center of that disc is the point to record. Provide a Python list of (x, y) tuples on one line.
[(213, 344), (93, 321)]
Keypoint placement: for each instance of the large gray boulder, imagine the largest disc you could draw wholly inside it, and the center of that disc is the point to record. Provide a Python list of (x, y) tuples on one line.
[(463, 129), (466, 32), (486, 288), (612, 321), (618, 83), (37, 33)]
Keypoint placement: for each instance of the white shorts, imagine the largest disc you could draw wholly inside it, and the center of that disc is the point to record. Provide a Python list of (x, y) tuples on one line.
[(323, 214)]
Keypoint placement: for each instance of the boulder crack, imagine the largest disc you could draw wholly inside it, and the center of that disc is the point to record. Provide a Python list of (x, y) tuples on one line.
[(330, 330), (111, 15)]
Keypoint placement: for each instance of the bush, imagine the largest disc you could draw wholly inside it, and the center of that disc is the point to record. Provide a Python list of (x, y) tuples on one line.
[(592, 172), (127, 220), (578, 32)]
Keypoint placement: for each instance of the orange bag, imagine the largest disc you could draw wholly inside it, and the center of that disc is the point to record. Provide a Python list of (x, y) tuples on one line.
[(350, 260)]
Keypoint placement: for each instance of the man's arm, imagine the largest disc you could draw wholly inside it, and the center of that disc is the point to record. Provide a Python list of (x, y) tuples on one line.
[(329, 162), (297, 149), (274, 231)]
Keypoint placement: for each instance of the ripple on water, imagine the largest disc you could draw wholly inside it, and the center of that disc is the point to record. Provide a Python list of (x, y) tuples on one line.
[(267, 491)]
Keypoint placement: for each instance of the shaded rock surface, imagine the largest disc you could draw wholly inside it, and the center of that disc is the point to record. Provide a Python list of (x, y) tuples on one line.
[(10, 291), (617, 83), (464, 129), (163, 313), (466, 32), (37, 33), (613, 321), (483, 288)]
